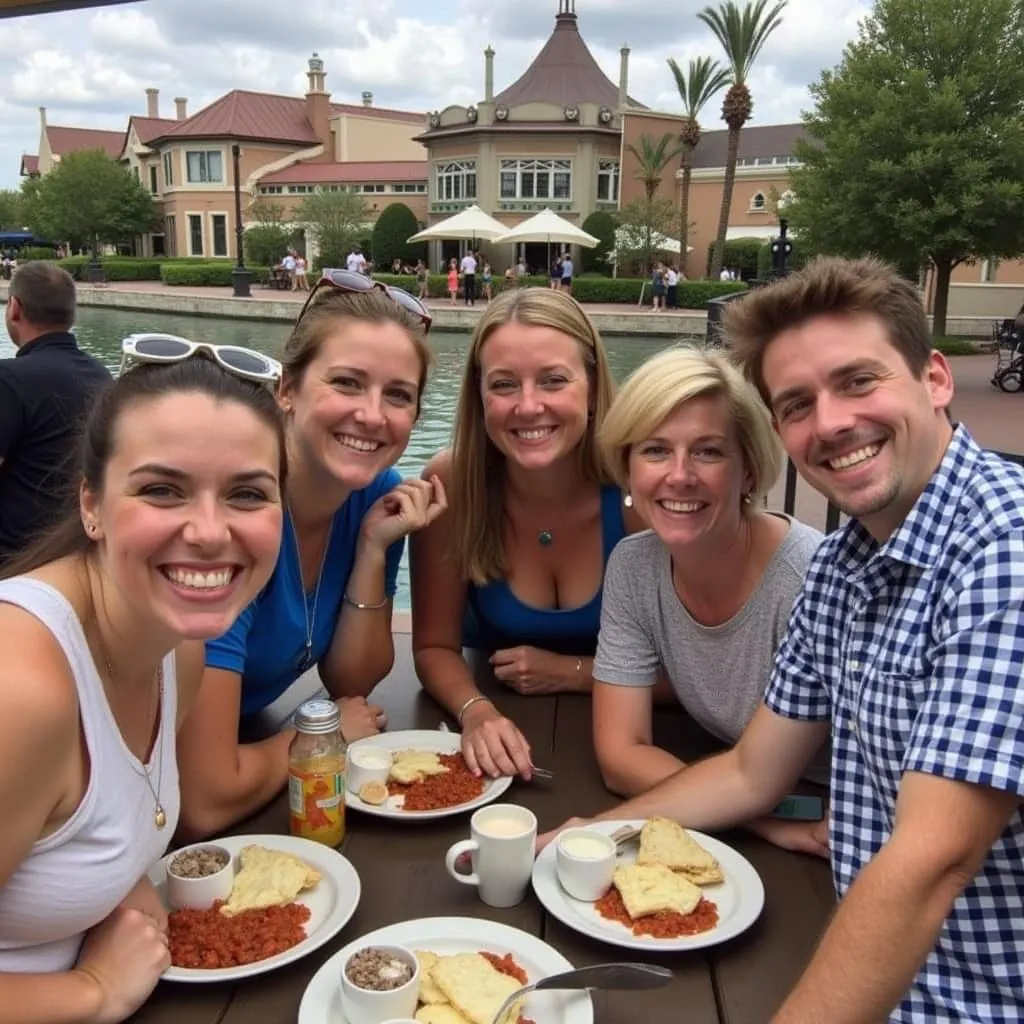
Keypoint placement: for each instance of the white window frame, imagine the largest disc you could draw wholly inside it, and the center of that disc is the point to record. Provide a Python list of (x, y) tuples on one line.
[(608, 171), (189, 214), (205, 154), (455, 180), (168, 162), (213, 235), (759, 202), (526, 175), (989, 271), (271, 190), (153, 180)]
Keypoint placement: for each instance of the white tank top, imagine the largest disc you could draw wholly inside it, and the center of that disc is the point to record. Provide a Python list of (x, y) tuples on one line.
[(74, 877)]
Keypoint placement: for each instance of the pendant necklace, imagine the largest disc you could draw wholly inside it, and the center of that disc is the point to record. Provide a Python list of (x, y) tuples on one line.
[(306, 658), (545, 538), (159, 815)]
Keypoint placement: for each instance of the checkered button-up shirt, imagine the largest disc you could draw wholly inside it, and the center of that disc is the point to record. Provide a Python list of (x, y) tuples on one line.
[(915, 650)]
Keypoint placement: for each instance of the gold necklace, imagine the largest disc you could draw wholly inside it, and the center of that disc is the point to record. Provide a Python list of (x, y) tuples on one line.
[(159, 815)]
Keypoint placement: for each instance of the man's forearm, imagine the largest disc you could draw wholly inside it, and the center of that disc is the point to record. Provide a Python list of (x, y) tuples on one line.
[(882, 933), (639, 768), (711, 794)]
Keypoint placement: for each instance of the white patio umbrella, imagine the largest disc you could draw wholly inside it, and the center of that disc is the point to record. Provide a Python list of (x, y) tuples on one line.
[(547, 226), (471, 223), (633, 237)]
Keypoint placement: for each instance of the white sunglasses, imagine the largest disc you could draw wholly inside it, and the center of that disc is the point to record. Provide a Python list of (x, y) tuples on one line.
[(168, 348)]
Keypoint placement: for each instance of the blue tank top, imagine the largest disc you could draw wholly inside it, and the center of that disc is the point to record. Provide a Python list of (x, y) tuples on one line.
[(497, 619)]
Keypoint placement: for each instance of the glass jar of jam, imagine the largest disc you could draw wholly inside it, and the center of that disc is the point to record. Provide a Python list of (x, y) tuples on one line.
[(316, 774)]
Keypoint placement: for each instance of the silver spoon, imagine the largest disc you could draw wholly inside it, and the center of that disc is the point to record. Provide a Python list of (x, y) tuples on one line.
[(602, 976)]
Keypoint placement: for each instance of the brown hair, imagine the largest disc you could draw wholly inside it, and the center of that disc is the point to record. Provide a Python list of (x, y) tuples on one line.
[(46, 294), (335, 306), (143, 383), (477, 467), (828, 286)]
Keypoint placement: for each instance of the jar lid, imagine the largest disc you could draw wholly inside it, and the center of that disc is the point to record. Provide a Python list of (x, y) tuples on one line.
[(318, 716)]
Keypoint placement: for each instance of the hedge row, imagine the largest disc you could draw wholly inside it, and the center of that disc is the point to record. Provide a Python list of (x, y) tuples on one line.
[(217, 275), (618, 290)]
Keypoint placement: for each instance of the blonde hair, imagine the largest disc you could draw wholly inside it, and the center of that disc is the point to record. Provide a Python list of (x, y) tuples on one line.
[(477, 484), (672, 378)]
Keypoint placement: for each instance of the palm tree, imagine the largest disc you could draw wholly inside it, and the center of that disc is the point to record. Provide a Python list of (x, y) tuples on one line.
[(702, 80), (652, 159), (742, 34)]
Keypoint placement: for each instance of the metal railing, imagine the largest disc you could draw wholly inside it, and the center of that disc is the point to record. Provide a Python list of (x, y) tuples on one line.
[(831, 512)]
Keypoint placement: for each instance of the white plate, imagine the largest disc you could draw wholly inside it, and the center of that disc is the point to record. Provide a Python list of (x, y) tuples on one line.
[(422, 739), (321, 1002), (739, 898), (332, 901)]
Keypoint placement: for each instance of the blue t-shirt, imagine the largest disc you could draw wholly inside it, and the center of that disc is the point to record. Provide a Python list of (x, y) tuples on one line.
[(267, 643), (496, 619)]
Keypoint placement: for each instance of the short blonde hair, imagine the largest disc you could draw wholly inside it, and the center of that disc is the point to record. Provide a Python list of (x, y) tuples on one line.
[(670, 379), (476, 487)]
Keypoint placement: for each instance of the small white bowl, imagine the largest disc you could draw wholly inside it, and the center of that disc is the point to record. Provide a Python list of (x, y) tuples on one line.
[(201, 892), (585, 863), (367, 763), (370, 1006)]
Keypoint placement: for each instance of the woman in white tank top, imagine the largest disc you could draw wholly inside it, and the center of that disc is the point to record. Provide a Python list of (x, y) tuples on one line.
[(101, 625)]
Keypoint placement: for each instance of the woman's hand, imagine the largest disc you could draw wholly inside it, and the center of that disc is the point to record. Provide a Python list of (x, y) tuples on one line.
[(532, 672), (144, 897), (360, 719), (123, 956), (799, 836), (492, 744), (409, 507)]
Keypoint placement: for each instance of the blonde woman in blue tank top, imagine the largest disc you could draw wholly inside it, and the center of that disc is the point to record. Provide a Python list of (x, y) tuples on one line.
[(102, 623)]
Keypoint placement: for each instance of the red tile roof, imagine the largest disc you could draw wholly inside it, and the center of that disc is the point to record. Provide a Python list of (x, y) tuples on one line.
[(241, 114), (29, 165), (73, 140), (149, 128), (346, 173), (756, 140)]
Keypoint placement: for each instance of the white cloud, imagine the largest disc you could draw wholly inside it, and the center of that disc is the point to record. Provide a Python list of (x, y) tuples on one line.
[(91, 67)]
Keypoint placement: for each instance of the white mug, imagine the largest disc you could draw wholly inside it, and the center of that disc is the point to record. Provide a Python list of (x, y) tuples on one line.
[(585, 859), (502, 850)]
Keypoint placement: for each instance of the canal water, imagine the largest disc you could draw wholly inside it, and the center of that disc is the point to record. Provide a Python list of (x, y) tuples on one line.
[(100, 331)]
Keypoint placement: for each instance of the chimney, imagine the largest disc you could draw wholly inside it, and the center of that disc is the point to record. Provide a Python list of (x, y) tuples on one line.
[(488, 75), (181, 108), (42, 118), (318, 108), (367, 98), (623, 78), (152, 102)]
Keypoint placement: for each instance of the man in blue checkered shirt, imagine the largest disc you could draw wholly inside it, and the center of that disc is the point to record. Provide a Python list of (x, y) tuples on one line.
[(908, 639)]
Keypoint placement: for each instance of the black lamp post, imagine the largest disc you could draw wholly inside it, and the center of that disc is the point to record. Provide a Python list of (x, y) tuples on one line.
[(782, 246), (240, 277)]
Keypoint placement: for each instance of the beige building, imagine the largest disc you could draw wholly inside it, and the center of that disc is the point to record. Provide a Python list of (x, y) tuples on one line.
[(288, 147)]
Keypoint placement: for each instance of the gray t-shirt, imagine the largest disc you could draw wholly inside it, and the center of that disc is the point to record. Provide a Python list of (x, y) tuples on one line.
[(718, 672)]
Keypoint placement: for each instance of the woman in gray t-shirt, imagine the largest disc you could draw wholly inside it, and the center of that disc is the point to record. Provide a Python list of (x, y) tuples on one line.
[(702, 599)]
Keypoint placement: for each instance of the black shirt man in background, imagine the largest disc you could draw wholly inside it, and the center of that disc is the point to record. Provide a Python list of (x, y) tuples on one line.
[(45, 392)]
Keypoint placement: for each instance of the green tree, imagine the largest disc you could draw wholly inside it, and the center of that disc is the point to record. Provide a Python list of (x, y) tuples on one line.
[(390, 233), (916, 148), (742, 34), (269, 235), (88, 199), (645, 226), (652, 159), (337, 220), (11, 216), (601, 225), (702, 79)]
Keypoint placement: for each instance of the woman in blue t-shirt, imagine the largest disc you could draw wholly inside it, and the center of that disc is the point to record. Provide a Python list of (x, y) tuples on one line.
[(515, 568), (354, 370)]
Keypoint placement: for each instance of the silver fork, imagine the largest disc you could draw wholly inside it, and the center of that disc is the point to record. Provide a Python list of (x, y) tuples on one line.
[(624, 835), (540, 773), (601, 976)]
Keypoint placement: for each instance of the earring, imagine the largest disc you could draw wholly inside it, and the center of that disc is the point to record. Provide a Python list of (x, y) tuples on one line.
[(747, 499), (628, 501)]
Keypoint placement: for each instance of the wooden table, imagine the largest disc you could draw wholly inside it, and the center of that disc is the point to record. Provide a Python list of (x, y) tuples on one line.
[(403, 876)]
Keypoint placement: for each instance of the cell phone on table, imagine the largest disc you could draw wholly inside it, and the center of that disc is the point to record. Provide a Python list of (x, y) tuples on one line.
[(797, 807)]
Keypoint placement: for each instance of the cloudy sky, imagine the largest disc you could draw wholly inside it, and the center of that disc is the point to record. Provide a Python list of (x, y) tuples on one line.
[(91, 68)]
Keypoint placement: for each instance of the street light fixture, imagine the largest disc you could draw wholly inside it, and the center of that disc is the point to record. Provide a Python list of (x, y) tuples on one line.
[(240, 277), (782, 247)]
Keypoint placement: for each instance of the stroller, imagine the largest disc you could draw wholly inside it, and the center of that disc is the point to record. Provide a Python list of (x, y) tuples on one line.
[(1009, 374)]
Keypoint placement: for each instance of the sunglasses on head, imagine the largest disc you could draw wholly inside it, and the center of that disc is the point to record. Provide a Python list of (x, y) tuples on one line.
[(168, 348), (350, 281)]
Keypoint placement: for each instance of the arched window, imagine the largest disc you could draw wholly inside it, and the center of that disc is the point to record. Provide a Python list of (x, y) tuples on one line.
[(758, 201)]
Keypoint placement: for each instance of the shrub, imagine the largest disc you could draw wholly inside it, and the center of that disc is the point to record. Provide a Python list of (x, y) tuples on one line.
[(266, 244), (196, 274), (601, 225), (28, 253), (395, 224), (950, 346), (740, 254)]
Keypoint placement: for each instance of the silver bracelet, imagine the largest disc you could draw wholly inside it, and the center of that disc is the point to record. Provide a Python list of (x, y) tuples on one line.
[(469, 703), (364, 607)]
